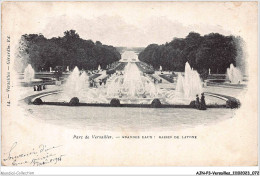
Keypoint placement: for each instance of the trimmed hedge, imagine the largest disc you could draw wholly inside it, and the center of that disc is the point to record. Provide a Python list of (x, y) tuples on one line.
[(74, 101), (115, 102), (232, 103), (147, 69), (156, 103), (37, 101), (168, 77), (120, 66), (193, 104)]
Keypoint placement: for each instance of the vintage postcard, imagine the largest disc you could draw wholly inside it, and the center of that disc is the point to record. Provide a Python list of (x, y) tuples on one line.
[(129, 84)]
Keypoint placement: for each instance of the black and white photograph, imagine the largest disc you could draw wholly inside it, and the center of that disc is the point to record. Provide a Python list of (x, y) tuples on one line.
[(129, 83)]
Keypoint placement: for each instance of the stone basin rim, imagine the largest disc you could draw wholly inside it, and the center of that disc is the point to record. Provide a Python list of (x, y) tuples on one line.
[(30, 99)]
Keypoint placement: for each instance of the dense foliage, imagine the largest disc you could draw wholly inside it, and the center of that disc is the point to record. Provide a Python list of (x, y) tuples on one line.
[(69, 50), (213, 51)]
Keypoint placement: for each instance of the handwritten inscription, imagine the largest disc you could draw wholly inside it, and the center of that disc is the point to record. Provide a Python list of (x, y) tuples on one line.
[(39, 156)]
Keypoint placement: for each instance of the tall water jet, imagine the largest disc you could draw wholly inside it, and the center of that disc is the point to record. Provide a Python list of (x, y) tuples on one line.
[(190, 84), (83, 80), (28, 74), (150, 87), (72, 82), (234, 74), (132, 80), (76, 83), (114, 87), (99, 67), (179, 85)]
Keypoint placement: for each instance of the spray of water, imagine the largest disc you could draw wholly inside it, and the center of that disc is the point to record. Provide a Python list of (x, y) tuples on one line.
[(28, 74), (132, 84), (234, 74), (76, 84), (190, 84)]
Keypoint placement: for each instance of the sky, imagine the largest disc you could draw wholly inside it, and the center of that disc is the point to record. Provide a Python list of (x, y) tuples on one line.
[(132, 24), (115, 30)]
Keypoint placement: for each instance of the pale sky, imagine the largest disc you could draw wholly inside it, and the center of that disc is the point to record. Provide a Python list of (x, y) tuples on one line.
[(115, 30), (131, 23)]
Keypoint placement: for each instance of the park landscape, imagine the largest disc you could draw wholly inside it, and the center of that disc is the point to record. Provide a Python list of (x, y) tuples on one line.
[(79, 83)]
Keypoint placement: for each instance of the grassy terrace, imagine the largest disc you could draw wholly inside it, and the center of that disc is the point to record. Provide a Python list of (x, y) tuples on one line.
[(94, 76), (145, 67), (119, 66), (168, 77)]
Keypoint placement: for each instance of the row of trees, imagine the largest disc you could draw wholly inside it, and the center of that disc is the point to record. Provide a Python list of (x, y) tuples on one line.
[(69, 50), (213, 51)]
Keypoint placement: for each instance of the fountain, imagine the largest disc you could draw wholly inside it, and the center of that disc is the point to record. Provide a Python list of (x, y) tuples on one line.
[(179, 84), (99, 67), (131, 84), (189, 84), (132, 80), (28, 74), (76, 84), (130, 87), (28, 77), (234, 74)]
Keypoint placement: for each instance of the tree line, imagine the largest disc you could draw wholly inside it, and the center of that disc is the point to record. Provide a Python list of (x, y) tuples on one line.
[(213, 51), (69, 50)]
